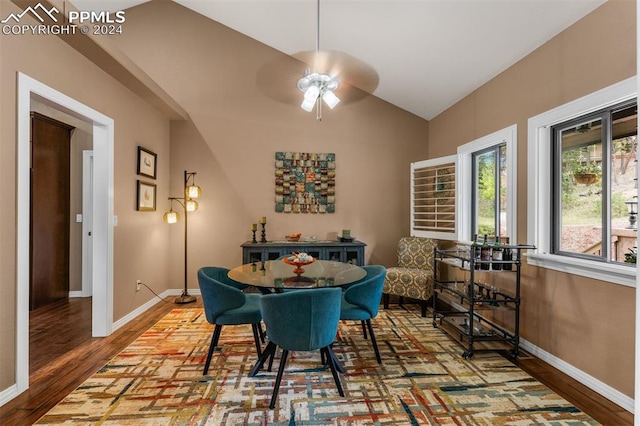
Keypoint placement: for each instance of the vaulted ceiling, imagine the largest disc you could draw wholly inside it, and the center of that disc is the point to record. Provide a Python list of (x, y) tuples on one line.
[(428, 54)]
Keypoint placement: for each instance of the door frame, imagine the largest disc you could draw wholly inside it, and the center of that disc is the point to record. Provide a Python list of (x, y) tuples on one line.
[(103, 217), (87, 222)]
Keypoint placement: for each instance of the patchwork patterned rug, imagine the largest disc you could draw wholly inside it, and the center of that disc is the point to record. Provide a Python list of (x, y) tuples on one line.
[(424, 380)]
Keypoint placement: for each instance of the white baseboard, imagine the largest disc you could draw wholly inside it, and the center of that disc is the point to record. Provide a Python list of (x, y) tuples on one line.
[(142, 309), (8, 394), (591, 382), (78, 293)]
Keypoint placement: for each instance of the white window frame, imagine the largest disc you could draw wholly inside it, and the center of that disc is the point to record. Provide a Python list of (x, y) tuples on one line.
[(508, 135), (539, 183)]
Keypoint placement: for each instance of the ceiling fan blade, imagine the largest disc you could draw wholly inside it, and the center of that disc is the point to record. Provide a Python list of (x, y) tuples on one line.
[(346, 68), (278, 78)]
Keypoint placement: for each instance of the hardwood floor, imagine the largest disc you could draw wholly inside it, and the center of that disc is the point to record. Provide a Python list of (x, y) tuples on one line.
[(63, 355)]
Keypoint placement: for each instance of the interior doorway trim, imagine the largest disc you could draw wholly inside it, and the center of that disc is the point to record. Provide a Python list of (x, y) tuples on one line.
[(102, 277), (87, 222)]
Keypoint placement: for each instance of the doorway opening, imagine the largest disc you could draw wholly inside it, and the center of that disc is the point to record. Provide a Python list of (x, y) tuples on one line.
[(102, 207)]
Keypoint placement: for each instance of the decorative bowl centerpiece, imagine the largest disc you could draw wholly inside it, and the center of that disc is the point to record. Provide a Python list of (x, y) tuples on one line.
[(298, 260), (293, 237)]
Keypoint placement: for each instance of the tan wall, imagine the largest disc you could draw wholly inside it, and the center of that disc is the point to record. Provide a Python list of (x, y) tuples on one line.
[(235, 130), (140, 238), (587, 323)]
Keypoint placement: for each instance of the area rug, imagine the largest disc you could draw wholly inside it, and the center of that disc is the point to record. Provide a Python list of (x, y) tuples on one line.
[(423, 380)]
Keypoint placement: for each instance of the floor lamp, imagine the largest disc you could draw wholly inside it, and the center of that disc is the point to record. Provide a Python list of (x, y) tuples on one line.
[(189, 204)]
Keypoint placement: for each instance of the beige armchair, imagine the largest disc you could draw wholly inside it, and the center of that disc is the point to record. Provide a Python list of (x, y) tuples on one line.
[(413, 276)]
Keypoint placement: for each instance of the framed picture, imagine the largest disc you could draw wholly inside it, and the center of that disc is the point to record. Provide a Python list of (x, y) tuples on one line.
[(147, 165), (146, 196)]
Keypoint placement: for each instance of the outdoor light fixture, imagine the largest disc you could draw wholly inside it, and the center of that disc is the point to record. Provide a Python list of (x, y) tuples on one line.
[(632, 208), (318, 87), (189, 205)]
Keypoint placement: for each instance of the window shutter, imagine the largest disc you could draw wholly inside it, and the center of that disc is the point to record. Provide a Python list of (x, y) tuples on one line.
[(433, 198)]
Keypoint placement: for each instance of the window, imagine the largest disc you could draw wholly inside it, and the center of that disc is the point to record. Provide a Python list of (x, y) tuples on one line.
[(487, 171), (548, 215), (594, 172), (489, 195), (443, 204)]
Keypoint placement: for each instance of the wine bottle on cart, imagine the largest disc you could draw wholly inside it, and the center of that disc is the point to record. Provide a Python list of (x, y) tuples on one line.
[(507, 256), (485, 255), (496, 255), (475, 252)]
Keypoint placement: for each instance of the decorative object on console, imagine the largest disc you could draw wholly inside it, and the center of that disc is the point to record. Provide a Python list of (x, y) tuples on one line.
[(305, 182), (293, 237), (263, 223), (189, 204), (254, 228), (346, 236)]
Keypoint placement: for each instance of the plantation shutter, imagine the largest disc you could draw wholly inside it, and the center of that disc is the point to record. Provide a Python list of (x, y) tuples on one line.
[(433, 198)]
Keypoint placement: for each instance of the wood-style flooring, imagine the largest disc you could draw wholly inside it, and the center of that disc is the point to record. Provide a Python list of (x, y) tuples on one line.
[(63, 355)]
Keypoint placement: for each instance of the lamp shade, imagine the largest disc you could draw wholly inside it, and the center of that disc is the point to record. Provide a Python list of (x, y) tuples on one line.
[(331, 99), (307, 105), (192, 191), (191, 205), (311, 94), (171, 217)]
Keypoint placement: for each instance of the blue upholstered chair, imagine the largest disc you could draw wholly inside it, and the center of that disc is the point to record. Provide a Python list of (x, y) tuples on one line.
[(220, 274), (360, 302), (304, 320), (225, 304)]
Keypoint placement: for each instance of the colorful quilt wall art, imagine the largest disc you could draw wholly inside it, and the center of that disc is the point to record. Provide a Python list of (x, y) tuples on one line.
[(305, 182)]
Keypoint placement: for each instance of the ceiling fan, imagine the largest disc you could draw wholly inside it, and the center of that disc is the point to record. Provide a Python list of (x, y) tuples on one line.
[(323, 76)]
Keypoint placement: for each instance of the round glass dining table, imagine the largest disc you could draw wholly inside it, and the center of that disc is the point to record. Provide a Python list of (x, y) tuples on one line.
[(278, 275)]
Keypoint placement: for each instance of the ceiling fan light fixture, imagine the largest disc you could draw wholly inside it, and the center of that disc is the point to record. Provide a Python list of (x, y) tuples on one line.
[(330, 99), (307, 105), (312, 93), (315, 86)]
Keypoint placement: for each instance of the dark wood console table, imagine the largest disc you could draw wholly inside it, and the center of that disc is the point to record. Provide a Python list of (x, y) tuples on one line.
[(352, 252)]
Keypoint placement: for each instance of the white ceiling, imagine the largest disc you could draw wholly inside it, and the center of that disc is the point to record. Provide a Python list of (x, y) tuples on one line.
[(428, 53)]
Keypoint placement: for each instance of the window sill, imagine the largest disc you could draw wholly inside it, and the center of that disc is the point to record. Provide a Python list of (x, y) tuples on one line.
[(611, 273)]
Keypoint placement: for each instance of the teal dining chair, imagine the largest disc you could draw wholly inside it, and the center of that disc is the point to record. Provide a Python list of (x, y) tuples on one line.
[(361, 301), (221, 274), (305, 320), (225, 304)]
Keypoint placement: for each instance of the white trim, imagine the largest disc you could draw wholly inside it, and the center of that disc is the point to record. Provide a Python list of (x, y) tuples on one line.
[(509, 135), (8, 394), (103, 140), (591, 382), (87, 223), (539, 183), (609, 272), (142, 309)]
